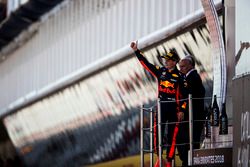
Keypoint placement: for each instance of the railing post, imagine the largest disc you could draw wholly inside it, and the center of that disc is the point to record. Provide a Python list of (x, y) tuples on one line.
[(190, 109), (142, 134), (151, 139), (159, 133)]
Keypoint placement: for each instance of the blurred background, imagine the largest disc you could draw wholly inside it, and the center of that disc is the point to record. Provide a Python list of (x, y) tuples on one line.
[(71, 87)]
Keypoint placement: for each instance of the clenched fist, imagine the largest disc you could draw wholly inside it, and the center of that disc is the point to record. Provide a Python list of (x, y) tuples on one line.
[(134, 45)]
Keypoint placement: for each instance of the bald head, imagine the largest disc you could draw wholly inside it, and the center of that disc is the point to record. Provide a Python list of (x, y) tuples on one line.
[(186, 64)]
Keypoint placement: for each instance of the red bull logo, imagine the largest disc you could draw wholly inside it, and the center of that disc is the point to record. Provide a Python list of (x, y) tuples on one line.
[(167, 90), (167, 84)]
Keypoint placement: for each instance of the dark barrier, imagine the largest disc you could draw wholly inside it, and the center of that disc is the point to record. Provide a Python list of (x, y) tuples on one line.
[(219, 157), (241, 119)]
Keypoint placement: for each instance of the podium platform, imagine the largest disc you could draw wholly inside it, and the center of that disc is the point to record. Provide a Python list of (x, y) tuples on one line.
[(217, 150), (219, 157)]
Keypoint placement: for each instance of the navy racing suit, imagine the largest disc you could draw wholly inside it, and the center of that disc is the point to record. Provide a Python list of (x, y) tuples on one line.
[(170, 91)]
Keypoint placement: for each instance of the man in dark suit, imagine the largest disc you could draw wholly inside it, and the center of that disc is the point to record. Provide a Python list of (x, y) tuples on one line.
[(197, 90)]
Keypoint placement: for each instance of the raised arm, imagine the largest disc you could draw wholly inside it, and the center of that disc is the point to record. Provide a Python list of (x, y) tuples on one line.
[(154, 70)]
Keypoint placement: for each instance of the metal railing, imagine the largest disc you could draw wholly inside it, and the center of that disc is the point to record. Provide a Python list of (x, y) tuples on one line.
[(150, 129), (160, 144), (190, 112)]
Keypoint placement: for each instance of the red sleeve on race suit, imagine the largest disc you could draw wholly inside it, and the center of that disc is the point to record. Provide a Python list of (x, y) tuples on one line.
[(146, 64), (181, 96)]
